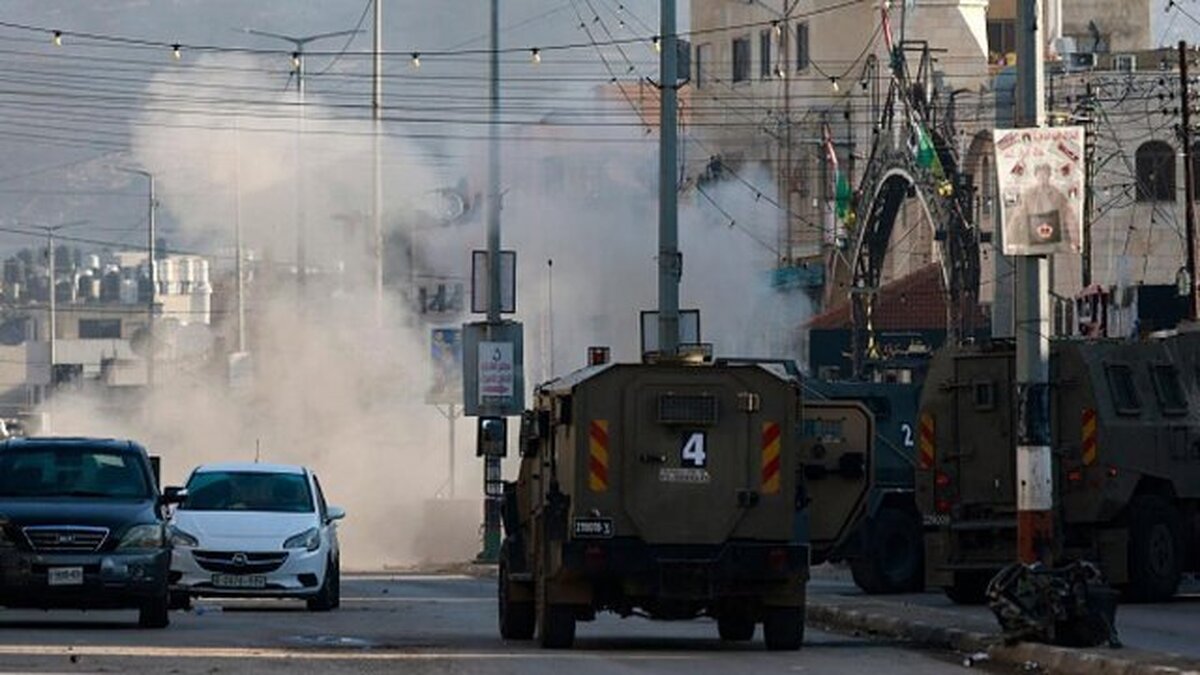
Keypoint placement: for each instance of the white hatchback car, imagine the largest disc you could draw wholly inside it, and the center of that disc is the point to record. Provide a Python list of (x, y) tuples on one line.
[(255, 530)]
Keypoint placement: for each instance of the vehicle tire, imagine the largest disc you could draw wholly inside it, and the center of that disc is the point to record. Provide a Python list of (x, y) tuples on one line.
[(783, 628), (1155, 549), (329, 595), (180, 600), (155, 613), (894, 559), (969, 588), (735, 626), (556, 626)]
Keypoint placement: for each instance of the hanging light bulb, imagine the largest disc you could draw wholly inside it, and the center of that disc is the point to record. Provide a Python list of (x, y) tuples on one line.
[(536, 55), (780, 72), (834, 82), (416, 59), (296, 60), (58, 38), (778, 29), (657, 44), (176, 53)]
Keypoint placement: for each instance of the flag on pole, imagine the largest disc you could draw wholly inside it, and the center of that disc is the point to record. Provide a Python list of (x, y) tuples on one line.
[(888, 40), (840, 183)]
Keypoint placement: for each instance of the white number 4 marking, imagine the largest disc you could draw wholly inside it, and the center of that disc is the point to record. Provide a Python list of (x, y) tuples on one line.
[(693, 454)]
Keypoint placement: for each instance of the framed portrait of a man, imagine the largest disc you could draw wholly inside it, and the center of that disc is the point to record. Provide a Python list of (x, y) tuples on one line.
[(1041, 181)]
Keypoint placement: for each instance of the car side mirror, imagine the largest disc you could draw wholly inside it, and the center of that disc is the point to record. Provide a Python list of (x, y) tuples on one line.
[(335, 513), (173, 495)]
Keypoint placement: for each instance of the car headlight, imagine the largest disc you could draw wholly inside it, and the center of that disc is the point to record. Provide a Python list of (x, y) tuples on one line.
[(181, 539), (309, 540), (149, 535)]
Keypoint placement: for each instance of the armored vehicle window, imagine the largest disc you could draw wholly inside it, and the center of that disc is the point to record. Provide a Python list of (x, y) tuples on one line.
[(687, 409), (1124, 393), (985, 395), (1171, 398)]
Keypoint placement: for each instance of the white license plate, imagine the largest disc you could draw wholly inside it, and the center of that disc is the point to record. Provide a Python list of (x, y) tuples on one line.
[(65, 576), (239, 581)]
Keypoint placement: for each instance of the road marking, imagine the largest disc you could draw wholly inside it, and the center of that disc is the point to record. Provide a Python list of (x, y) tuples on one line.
[(271, 654)]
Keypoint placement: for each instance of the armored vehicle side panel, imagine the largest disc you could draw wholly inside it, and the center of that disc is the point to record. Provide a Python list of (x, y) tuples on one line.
[(1125, 420)]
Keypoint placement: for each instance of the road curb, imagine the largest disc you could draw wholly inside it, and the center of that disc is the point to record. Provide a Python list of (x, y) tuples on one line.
[(1050, 658)]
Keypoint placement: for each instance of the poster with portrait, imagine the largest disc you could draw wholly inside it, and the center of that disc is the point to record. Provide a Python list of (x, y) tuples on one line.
[(1041, 176), (446, 357)]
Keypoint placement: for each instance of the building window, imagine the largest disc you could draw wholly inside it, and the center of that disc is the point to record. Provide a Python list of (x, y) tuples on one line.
[(1002, 40), (802, 47), (100, 329), (764, 54), (741, 59), (703, 54), (1155, 172)]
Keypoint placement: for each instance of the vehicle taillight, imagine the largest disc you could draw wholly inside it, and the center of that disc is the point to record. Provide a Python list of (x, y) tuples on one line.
[(942, 506), (777, 560), (942, 480)]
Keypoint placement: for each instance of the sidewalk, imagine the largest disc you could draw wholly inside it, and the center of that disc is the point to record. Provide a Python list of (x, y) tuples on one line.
[(973, 630)]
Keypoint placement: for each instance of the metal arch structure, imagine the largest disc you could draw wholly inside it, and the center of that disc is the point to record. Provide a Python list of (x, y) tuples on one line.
[(893, 174)]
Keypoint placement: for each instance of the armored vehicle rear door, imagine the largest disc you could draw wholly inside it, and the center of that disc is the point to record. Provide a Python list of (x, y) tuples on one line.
[(835, 453), (688, 455), (984, 452)]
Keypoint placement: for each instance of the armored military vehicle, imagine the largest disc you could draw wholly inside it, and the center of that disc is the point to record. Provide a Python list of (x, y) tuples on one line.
[(884, 546), (664, 489), (1125, 419)]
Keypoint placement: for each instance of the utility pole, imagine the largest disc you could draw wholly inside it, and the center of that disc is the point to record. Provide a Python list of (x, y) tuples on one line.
[(1034, 463), (670, 262), (491, 467), (53, 303), (237, 239), (299, 43), (151, 235), (1189, 177), (377, 176), (1089, 199)]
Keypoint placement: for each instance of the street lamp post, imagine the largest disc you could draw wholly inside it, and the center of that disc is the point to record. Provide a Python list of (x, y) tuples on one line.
[(298, 43), (151, 235)]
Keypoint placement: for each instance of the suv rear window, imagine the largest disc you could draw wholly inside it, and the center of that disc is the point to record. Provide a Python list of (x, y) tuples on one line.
[(72, 472)]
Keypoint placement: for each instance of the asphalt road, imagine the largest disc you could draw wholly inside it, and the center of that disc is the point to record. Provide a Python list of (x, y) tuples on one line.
[(1169, 627), (418, 624)]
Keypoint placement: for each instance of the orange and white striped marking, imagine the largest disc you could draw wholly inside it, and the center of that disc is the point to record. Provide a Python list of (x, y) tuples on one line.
[(1089, 446), (771, 458), (598, 456), (925, 441)]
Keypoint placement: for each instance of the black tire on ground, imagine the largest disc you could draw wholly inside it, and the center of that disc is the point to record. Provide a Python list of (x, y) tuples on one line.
[(180, 600), (1155, 549), (556, 626), (735, 626), (894, 559), (328, 597), (155, 613), (517, 619), (970, 587), (783, 628)]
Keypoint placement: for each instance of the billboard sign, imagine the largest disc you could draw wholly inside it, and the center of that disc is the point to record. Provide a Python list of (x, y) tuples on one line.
[(1041, 176)]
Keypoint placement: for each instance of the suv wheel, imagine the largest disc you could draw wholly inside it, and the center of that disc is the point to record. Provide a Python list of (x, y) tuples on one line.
[(154, 613), (1155, 548), (180, 600)]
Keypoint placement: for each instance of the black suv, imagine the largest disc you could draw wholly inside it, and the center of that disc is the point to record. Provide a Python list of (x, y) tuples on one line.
[(82, 526)]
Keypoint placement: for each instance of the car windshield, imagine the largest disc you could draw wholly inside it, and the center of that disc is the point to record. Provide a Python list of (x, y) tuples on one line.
[(72, 472), (248, 491)]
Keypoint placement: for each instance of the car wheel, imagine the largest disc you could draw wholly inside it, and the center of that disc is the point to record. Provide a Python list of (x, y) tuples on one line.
[(180, 600), (894, 559), (155, 613), (329, 595), (1155, 549)]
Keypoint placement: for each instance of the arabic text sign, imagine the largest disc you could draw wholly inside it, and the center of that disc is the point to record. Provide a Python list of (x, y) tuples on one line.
[(1041, 177)]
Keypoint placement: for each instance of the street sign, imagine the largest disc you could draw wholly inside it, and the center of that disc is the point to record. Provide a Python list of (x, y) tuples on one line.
[(446, 359), (1041, 176), (493, 369), (508, 282)]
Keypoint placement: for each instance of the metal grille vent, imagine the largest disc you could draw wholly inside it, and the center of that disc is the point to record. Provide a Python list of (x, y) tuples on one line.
[(687, 409), (72, 539)]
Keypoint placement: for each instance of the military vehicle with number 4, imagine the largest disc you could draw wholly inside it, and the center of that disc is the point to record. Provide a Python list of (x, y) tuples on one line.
[(664, 489), (1125, 419)]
